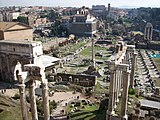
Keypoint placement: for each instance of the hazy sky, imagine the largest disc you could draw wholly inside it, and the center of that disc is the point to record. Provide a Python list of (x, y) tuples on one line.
[(79, 3)]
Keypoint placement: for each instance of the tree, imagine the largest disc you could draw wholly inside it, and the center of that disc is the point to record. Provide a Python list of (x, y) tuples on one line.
[(57, 29), (53, 15), (22, 19), (120, 21), (103, 104)]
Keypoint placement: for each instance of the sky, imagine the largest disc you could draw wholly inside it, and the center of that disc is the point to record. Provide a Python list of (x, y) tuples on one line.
[(79, 3)]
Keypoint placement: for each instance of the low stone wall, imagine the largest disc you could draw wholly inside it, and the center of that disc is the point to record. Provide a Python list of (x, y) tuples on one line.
[(82, 80), (149, 45)]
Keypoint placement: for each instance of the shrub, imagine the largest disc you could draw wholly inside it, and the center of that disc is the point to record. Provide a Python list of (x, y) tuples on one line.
[(16, 96), (131, 91), (52, 105)]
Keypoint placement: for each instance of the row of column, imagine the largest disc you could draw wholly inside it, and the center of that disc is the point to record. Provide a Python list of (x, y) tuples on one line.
[(119, 84), (148, 33), (33, 100), (133, 68), (131, 55)]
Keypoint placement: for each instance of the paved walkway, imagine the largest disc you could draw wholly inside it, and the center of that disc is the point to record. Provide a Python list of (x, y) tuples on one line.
[(63, 98)]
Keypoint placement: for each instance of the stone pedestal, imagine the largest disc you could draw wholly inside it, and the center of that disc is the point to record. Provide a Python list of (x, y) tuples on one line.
[(33, 100), (45, 101)]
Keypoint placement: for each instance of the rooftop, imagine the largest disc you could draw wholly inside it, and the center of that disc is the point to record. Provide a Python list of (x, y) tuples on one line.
[(150, 104), (18, 42), (48, 60), (6, 25)]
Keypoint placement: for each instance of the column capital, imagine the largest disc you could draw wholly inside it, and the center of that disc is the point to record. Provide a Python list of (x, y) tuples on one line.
[(31, 84), (44, 85)]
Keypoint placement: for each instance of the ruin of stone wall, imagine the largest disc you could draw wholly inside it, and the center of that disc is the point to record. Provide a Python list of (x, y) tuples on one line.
[(84, 80)]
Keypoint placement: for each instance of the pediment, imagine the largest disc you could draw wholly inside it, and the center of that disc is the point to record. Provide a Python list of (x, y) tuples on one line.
[(17, 27)]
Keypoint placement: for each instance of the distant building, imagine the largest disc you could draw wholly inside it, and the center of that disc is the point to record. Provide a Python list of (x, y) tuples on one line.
[(15, 31), (99, 11), (40, 21), (10, 16), (65, 21), (7, 16), (1, 17), (83, 24)]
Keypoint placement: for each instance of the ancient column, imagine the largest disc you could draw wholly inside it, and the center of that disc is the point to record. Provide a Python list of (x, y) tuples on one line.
[(118, 85), (145, 33), (148, 33), (126, 74), (116, 88), (133, 70), (33, 100), (110, 111), (23, 101), (8, 68), (1, 75), (45, 101), (120, 80), (93, 61)]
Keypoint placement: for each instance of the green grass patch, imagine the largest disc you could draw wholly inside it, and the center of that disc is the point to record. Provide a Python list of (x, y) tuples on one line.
[(88, 50), (157, 62), (88, 113), (10, 109), (71, 48), (99, 89)]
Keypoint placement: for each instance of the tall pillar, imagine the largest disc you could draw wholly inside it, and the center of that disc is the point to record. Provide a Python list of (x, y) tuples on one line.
[(114, 92), (151, 33), (124, 98), (116, 88), (118, 84), (145, 34), (93, 61), (45, 101), (110, 111), (23, 101), (148, 33), (133, 70), (1, 68), (120, 79), (8, 68), (33, 100)]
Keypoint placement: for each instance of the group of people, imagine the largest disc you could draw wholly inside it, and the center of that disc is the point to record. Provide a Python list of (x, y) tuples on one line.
[(3, 91)]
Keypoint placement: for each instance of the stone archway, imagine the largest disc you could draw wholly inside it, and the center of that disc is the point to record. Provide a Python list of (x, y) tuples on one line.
[(17, 69)]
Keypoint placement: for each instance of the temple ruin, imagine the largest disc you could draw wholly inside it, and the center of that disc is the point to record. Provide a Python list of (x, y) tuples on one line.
[(148, 31), (121, 67), (29, 76)]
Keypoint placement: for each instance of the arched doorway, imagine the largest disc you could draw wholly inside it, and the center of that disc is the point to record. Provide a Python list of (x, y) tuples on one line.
[(17, 70)]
